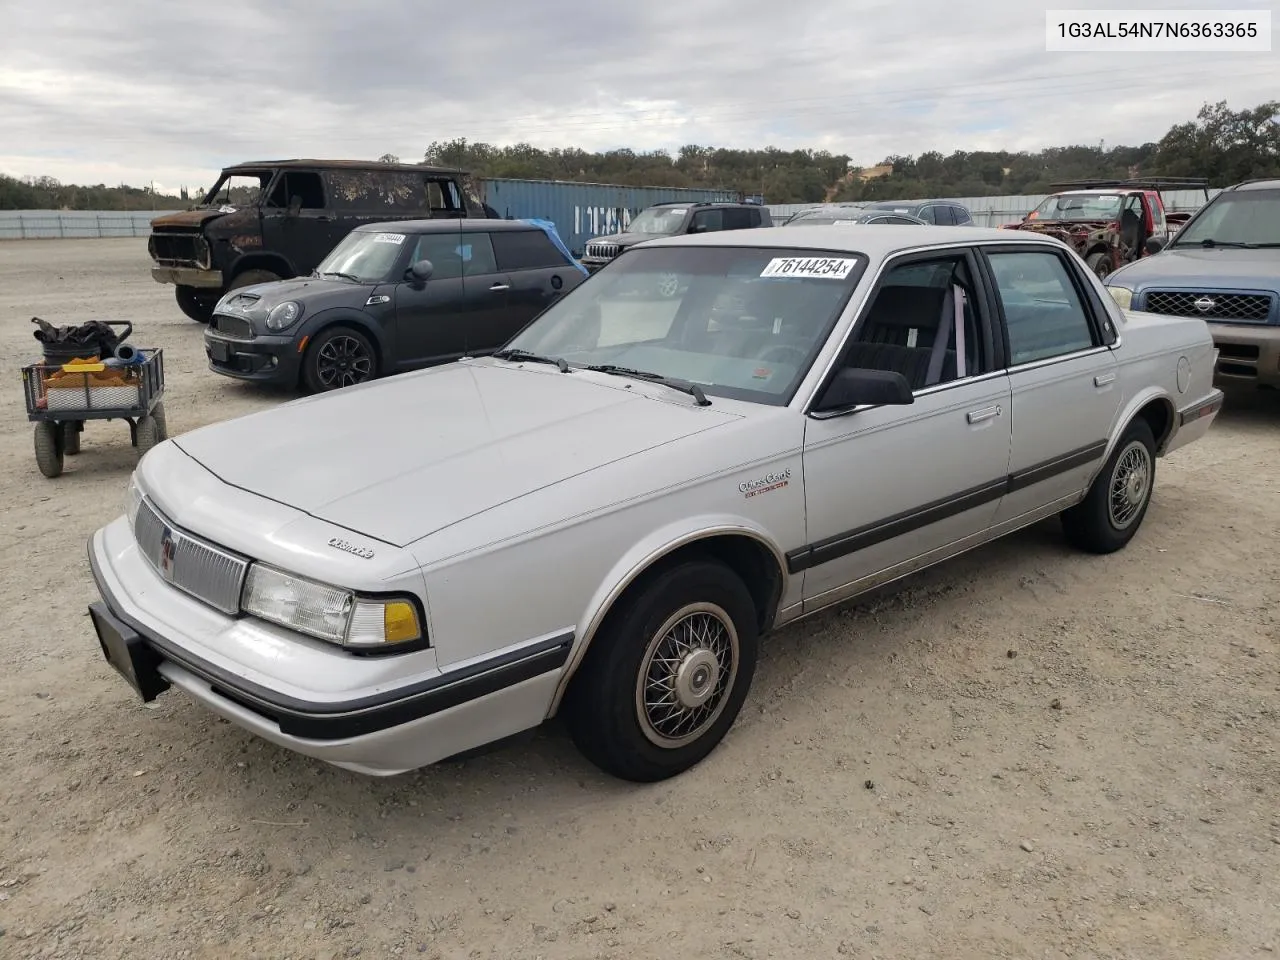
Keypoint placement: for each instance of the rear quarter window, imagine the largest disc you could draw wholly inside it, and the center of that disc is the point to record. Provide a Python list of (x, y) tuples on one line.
[(525, 250)]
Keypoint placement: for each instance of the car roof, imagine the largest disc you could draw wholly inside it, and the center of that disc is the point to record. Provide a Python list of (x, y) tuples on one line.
[(889, 204), (447, 225), (876, 241), (341, 165), (1266, 184)]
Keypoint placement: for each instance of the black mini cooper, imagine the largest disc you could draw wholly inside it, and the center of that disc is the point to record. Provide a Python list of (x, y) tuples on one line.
[(392, 297)]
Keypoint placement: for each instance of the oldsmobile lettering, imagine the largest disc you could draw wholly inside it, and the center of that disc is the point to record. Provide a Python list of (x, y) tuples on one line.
[(765, 484), (339, 544)]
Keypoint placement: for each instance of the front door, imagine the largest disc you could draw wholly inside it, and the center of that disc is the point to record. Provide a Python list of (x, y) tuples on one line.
[(297, 220), (889, 488), (1066, 392), (444, 318)]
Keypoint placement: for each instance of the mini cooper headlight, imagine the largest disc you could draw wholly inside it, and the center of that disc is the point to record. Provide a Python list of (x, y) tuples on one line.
[(284, 315), (1122, 296), (330, 613)]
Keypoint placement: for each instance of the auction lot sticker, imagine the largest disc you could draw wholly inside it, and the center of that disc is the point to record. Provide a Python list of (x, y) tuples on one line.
[(824, 268)]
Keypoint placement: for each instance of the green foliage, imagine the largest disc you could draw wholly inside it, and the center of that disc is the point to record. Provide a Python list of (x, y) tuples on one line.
[(1224, 145)]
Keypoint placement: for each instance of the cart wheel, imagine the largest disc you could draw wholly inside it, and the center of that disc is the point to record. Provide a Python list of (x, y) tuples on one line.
[(147, 433), (71, 437), (48, 449), (157, 414)]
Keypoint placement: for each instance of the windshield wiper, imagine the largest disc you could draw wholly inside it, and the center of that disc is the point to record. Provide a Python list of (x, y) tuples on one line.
[(344, 276), (684, 386), (518, 355), (1210, 242)]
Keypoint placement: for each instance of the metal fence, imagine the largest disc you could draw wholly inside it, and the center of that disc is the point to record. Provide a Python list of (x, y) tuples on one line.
[(579, 210), (54, 224)]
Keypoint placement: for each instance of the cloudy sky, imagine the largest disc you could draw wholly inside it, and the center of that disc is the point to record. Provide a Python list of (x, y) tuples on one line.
[(152, 90)]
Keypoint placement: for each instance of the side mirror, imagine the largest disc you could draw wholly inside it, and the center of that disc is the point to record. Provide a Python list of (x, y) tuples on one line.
[(1154, 245), (854, 387), (421, 271)]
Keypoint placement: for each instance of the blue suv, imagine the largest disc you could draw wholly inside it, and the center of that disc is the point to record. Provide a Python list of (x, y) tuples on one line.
[(1223, 266)]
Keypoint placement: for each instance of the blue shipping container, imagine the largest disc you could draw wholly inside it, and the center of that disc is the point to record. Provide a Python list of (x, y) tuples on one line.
[(581, 211)]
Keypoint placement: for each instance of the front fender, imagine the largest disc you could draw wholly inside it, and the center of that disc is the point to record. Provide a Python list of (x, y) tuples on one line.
[(347, 316), (640, 557)]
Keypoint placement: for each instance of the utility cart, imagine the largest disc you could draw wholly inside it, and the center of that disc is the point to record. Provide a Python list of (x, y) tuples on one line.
[(61, 397)]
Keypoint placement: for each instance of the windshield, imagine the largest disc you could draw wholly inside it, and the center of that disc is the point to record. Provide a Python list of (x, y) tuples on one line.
[(1243, 217), (660, 220), (740, 322), (364, 256), (237, 190), (1078, 206)]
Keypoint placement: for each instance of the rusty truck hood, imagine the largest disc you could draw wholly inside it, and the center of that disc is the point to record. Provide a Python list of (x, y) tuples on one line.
[(187, 219)]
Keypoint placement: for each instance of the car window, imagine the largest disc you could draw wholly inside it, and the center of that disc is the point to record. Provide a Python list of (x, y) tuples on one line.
[(743, 322), (525, 250), (910, 326), (961, 215), (368, 190), (454, 254), (1043, 311), (756, 218), (928, 214), (736, 218), (304, 185), (946, 214), (896, 220), (707, 220)]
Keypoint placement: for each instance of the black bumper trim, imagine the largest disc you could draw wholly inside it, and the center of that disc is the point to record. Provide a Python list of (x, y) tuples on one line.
[(1202, 409), (366, 715)]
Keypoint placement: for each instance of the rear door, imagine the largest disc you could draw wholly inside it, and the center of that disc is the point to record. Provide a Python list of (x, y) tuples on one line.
[(1066, 393), (537, 272)]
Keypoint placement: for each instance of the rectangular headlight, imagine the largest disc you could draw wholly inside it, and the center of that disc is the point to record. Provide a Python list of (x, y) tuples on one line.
[(329, 613), (132, 501)]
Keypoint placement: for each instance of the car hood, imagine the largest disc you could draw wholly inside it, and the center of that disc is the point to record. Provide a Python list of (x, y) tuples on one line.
[(1198, 266), (314, 293), (402, 458), (627, 239), (187, 219)]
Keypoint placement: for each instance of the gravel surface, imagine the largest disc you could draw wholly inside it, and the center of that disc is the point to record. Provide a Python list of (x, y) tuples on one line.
[(1024, 753)]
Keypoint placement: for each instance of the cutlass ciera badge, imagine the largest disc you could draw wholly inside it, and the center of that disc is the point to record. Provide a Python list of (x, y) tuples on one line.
[(347, 547), (775, 480)]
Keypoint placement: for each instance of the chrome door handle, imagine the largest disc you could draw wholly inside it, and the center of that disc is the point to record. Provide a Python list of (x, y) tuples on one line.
[(977, 416), (1102, 379), (499, 287)]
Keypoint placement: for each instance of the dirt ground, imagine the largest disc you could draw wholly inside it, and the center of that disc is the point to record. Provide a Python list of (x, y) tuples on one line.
[(1024, 753)]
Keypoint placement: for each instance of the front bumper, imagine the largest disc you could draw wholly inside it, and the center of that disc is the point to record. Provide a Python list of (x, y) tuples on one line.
[(188, 277), (1247, 353), (262, 359), (156, 637)]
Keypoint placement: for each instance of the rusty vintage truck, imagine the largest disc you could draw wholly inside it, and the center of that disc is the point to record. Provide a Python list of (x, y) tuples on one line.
[(276, 220), (1111, 222)]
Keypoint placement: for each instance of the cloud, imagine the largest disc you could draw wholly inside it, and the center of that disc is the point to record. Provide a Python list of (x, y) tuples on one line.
[(137, 92)]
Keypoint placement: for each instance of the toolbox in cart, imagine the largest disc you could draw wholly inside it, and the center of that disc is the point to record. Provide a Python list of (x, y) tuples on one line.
[(62, 396)]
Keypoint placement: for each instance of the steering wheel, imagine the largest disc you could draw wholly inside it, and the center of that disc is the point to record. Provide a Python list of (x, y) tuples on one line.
[(782, 353)]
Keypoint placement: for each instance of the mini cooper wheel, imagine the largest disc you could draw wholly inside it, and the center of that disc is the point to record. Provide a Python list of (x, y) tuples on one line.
[(667, 675), (339, 357), (1110, 514)]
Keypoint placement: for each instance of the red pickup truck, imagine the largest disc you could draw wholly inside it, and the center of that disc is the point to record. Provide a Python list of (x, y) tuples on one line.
[(1110, 222)]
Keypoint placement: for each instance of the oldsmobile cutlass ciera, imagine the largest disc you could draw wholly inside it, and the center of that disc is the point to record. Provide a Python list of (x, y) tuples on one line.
[(602, 519)]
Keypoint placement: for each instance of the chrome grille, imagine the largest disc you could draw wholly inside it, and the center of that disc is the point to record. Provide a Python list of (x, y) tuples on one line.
[(191, 564), (237, 328), (604, 251), (1244, 307), (179, 249)]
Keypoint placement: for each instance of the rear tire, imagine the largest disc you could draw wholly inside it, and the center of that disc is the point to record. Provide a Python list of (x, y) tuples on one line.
[(148, 432), (1100, 264), (667, 675), (1113, 509), (48, 448), (196, 304)]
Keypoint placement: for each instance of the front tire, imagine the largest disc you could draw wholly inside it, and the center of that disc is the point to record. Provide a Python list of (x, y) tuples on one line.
[(196, 304), (1100, 264), (339, 357), (1113, 509), (250, 277), (667, 675)]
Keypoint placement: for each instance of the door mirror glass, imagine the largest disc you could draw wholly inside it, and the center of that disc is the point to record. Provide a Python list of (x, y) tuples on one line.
[(421, 271), (854, 386), (1154, 245)]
